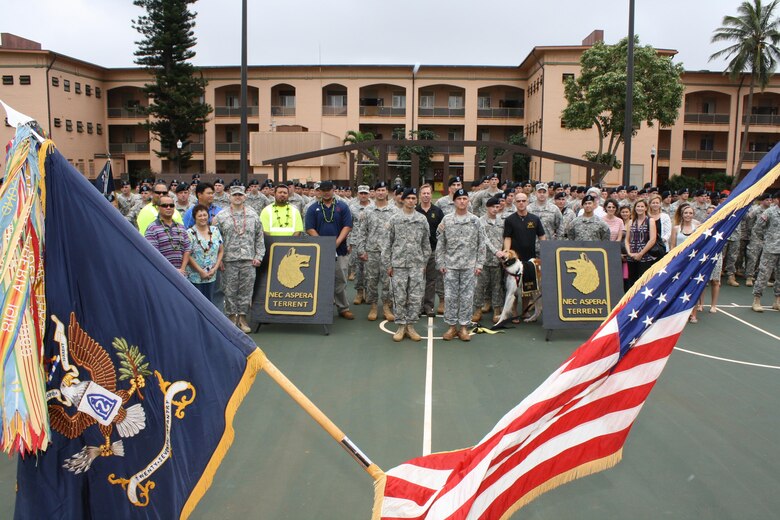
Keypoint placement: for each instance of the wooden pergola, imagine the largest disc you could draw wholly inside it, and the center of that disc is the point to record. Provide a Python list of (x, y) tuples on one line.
[(377, 150)]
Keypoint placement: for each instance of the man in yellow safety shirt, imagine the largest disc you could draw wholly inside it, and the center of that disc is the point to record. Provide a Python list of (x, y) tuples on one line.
[(281, 218)]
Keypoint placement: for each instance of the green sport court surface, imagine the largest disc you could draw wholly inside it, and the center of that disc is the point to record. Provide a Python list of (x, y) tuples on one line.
[(705, 445)]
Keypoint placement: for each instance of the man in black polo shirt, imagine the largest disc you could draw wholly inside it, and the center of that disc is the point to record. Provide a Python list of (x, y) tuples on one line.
[(521, 229), (434, 215)]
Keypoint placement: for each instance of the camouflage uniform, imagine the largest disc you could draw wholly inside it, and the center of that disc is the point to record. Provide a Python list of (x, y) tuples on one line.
[(242, 233), (297, 202), (460, 250), (222, 200), (568, 215), (129, 207), (479, 199), (755, 243), (355, 264), (490, 284), (588, 228), (768, 227), (447, 205), (257, 201), (406, 251), (551, 218), (372, 240), (700, 211), (731, 253)]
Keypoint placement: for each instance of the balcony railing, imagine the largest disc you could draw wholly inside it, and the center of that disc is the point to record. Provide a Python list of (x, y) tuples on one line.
[(228, 147), (754, 156), (125, 112), (703, 155), (762, 119), (330, 110), (707, 119), (372, 111), (128, 147), (191, 147), (500, 112), (458, 150), (282, 111), (441, 112), (234, 111), (663, 154)]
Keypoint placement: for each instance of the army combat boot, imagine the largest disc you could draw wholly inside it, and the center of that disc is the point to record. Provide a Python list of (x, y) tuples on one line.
[(399, 334), (731, 280), (451, 333), (412, 333), (757, 304), (463, 334), (388, 312)]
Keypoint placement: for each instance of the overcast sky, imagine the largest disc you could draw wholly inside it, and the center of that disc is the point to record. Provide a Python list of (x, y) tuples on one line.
[(297, 32)]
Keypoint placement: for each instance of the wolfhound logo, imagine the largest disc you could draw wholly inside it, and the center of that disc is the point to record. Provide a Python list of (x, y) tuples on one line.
[(289, 272), (586, 279)]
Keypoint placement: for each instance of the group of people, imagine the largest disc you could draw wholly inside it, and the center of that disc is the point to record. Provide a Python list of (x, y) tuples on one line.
[(397, 244)]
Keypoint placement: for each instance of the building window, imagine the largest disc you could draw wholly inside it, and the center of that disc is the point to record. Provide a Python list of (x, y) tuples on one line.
[(399, 100), (484, 135), (80, 166), (66, 85), (55, 81), (91, 165), (68, 125), (99, 129), (98, 92), (483, 102), (78, 88), (427, 99), (8, 80), (335, 99), (707, 143), (57, 122), (89, 128), (24, 80), (566, 76), (232, 100), (88, 90), (287, 98), (455, 100), (80, 127)]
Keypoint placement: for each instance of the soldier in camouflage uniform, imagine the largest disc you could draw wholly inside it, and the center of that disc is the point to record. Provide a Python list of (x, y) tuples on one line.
[(221, 197), (490, 284), (370, 243), (700, 205), (405, 256), (129, 203), (566, 212), (447, 203), (459, 255), (296, 199), (548, 212), (357, 270), (479, 199), (588, 226), (755, 243), (254, 197), (244, 248), (768, 227)]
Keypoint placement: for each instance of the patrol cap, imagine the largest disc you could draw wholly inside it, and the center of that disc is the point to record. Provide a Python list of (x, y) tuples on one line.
[(182, 187), (453, 180), (541, 186), (363, 188), (380, 184), (409, 191), (237, 188), (326, 186), (459, 193), (493, 201), (588, 198), (560, 195)]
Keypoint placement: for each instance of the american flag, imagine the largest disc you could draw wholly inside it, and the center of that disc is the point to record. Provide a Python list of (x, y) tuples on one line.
[(577, 421)]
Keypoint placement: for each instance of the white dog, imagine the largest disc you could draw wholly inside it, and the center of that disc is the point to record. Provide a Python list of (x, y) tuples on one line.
[(514, 289)]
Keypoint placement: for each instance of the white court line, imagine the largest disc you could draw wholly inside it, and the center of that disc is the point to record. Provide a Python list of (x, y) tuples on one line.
[(726, 359), (720, 309), (738, 306), (428, 407)]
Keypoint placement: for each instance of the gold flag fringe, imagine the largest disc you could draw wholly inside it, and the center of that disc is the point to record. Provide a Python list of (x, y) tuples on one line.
[(254, 364)]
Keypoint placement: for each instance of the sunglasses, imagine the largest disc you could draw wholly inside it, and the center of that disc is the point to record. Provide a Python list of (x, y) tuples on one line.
[(160, 192), (167, 206)]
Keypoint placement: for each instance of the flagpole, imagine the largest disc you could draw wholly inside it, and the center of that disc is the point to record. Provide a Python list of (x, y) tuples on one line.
[(322, 419)]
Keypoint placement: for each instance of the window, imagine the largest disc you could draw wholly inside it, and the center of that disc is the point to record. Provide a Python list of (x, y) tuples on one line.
[(230, 136), (78, 88), (98, 92), (484, 135), (80, 127), (91, 164), (55, 81), (88, 90), (68, 125), (335, 99), (89, 128), (399, 100), (80, 166), (232, 100), (455, 100), (24, 80), (287, 98), (707, 142), (427, 99), (8, 80), (66, 85), (566, 76), (483, 102), (57, 122), (708, 106), (99, 129)]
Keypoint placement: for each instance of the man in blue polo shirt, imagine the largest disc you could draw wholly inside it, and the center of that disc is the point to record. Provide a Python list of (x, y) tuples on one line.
[(332, 218), (204, 192)]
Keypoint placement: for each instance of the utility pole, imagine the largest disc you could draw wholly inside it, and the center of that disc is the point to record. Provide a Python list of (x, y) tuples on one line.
[(628, 124)]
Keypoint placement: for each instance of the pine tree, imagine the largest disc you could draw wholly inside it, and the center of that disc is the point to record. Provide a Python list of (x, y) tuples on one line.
[(176, 110)]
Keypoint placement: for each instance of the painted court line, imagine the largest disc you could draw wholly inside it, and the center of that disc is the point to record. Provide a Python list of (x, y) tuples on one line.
[(735, 361), (428, 406), (749, 324)]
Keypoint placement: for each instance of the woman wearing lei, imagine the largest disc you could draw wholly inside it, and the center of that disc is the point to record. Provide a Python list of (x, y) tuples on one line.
[(206, 252)]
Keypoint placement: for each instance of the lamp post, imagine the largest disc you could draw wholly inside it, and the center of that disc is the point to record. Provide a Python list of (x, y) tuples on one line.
[(179, 145), (652, 163)]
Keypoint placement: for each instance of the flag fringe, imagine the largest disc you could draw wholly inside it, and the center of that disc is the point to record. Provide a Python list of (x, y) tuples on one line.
[(379, 495), (584, 470), (254, 364)]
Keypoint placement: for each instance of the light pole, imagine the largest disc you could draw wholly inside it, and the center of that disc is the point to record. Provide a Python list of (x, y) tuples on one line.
[(652, 164), (179, 145)]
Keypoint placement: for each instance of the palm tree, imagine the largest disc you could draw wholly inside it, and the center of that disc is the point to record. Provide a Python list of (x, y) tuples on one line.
[(754, 39)]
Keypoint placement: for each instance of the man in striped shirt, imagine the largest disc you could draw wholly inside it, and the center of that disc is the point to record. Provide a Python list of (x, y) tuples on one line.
[(169, 237)]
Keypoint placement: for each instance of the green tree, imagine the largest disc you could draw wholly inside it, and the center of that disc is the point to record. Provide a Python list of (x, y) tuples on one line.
[(754, 38), (598, 96), (425, 153), (367, 170), (519, 161), (176, 110)]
